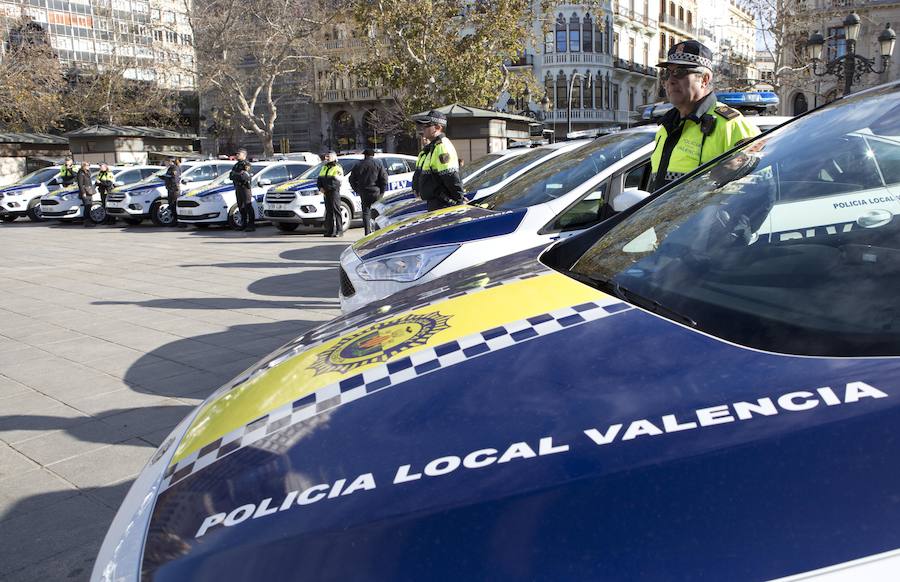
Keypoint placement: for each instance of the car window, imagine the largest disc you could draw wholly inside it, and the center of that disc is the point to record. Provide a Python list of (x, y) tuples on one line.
[(472, 167), (348, 164), (129, 176), (565, 172), (394, 166), (587, 211), (638, 177), (297, 170), (506, 168), (790, 244), (147, 172), (223, 168), (276, 174), (40, 176)]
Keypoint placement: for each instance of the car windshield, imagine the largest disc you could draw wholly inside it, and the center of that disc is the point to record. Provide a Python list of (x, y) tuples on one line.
[(472, 167), (156, 176), (226, 177), (39, 176), (347, 165), (565, 172), (787, 245), (507, 168)]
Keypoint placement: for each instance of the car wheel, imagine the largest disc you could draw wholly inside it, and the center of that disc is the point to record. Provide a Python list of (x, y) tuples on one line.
[(98, 213), (286, 226), (34, 210), (346, 215), (235, 220), (8, 217), (160, 214), (132, 221)]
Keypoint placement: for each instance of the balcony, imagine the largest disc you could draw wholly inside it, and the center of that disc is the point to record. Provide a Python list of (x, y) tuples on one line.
[(346, 44), (348, 95), (577, 59), (679, 25), (587, 116), (626, 65), (630, 15)]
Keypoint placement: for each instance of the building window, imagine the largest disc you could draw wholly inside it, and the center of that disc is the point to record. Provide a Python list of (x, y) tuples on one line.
[(646, 54), (598, 39), (631, 49), (615, 96), (576, 93), (574, 34), (616, 44), (672, 9), (837, 43), (631, 99), (561, 98), (598, 91), (662, 45), (681, 13), (560, 34), (690, 19), (588, 34), (548, 42), (549, 89)]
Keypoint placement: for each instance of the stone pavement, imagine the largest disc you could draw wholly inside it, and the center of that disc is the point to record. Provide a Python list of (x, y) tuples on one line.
[(108, 337)]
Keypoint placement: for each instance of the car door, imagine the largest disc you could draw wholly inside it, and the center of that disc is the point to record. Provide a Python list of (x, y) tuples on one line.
[(399, 174)]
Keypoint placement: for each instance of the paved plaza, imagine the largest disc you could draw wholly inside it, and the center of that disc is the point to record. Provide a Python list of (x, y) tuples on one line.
[(108, 337)]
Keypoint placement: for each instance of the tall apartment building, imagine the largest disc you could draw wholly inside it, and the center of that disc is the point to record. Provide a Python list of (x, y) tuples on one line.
[(728, 28)]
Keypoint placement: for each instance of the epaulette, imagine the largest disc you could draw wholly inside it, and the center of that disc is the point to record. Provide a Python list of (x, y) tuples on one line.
[(727, 112)]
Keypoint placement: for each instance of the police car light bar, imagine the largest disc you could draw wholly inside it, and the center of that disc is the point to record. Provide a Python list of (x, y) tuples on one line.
[(591, 133)]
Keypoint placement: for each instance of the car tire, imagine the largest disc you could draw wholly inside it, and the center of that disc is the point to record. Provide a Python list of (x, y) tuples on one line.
[(34, 210), (98, 214), (8, 217), (132, 221), (234, 218), (346, 215), (286, 226), (160, 214)]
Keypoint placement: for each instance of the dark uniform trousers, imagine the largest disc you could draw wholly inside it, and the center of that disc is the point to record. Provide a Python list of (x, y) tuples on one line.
[(367, 201), (173, 202), (248, 215), (86, 203), (333, 223)]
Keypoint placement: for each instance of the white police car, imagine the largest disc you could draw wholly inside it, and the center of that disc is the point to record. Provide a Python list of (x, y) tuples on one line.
[(486, 183), (658, 398), (216, 202), (65, 204), (148, 198), (466, 174), (299, 202), (23, 197)]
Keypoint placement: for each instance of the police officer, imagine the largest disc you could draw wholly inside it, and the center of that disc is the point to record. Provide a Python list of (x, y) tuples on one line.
[(243, 192), (67, 173), (369, 180), (329, 184), (172, 180), (417, 173), (86, 193), (698, 128), (439, 183), (105, 183)]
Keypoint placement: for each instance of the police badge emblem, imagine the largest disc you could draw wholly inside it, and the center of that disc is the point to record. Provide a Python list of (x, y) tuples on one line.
[(380, 342)]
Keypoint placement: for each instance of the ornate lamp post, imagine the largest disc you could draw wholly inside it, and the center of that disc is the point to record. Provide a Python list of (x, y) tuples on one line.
[(850, 67)]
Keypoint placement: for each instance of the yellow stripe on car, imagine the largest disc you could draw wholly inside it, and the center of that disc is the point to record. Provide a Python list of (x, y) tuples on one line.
[(376, 344)]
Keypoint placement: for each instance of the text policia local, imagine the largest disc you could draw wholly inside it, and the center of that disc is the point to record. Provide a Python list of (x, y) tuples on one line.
[(614, 433)]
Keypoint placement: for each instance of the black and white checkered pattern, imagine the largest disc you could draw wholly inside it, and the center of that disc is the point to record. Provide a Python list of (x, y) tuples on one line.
[(389, 375), (672, 176), (696, 59)]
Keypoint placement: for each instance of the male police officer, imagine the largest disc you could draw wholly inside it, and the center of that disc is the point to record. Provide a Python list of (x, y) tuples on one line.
[(369, 180), (439, 184), (243, 191), (67, 173), (329, 184), (698, 128), (105, 183), (172, 180)]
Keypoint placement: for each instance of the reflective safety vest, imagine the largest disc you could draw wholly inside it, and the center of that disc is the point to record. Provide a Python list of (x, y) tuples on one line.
[(329, 177), (105, 176), (67, 173), (440, 173), (682, 145)]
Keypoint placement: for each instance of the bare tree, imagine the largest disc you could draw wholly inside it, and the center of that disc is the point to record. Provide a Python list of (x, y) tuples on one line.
[(246, 48)]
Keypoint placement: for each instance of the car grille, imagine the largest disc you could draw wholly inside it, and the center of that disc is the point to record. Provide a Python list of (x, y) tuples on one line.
[(187, 203), (280, 213), (115, 197), (280, 197), (347, 289), (49, 202)]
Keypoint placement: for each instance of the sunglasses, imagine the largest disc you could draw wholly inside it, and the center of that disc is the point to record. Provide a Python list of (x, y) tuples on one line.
[(664, 74)]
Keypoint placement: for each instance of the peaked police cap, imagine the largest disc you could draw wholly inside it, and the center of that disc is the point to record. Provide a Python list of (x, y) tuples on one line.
[(689, 53)]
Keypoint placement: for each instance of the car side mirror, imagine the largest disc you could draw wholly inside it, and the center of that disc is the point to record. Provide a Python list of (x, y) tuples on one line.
[(265, 182), (628, 198), (187, 180)]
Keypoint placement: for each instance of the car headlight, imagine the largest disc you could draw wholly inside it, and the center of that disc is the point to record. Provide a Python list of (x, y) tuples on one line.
[(404, 266), (66, 197), (121, 554)]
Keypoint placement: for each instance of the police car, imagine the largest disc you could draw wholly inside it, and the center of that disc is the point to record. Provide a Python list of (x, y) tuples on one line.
[(485, 183), (216, 202), (65, 203), (299, 202), (467, 173), (23, 197), (148, 198), (658, 398)]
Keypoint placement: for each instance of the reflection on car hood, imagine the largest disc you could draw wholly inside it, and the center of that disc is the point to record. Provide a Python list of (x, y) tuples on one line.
[(140, 186), (506, 422), (209, 191), (455, 224), (297, 185)]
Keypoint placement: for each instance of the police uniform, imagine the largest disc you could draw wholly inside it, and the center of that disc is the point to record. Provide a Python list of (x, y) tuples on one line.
[(67, 174), (243, 193), (685, 143), (439, 183), (329, 182), (172, 180), (105, 183)]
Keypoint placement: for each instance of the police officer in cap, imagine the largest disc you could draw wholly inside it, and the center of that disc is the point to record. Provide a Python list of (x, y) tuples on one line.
[(698, 128), (329, 184), (67, 172), (105, 183), (439, 184)]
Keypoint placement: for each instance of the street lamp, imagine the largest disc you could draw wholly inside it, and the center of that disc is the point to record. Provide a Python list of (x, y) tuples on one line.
[(589, 78), (851, 67)]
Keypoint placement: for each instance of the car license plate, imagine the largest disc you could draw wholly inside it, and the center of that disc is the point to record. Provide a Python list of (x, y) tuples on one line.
[(278, 207), (188, 211), (116, 204)]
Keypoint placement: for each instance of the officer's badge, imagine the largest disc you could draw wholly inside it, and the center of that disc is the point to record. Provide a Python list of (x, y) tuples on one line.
[(444, 158), (380, 342)]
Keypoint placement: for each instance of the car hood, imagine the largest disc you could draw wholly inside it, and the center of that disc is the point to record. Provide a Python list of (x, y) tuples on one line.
[(415, 206), (209, 191), (140, 186), (455, 224), (508, 422), (17, 188), (297, 186)]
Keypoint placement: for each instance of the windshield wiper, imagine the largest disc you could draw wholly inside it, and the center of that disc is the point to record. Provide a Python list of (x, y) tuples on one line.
[(651, 305)]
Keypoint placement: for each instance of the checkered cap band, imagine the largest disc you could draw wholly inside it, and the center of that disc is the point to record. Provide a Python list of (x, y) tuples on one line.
[(672, 176), (390, 375), (687, 58)]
